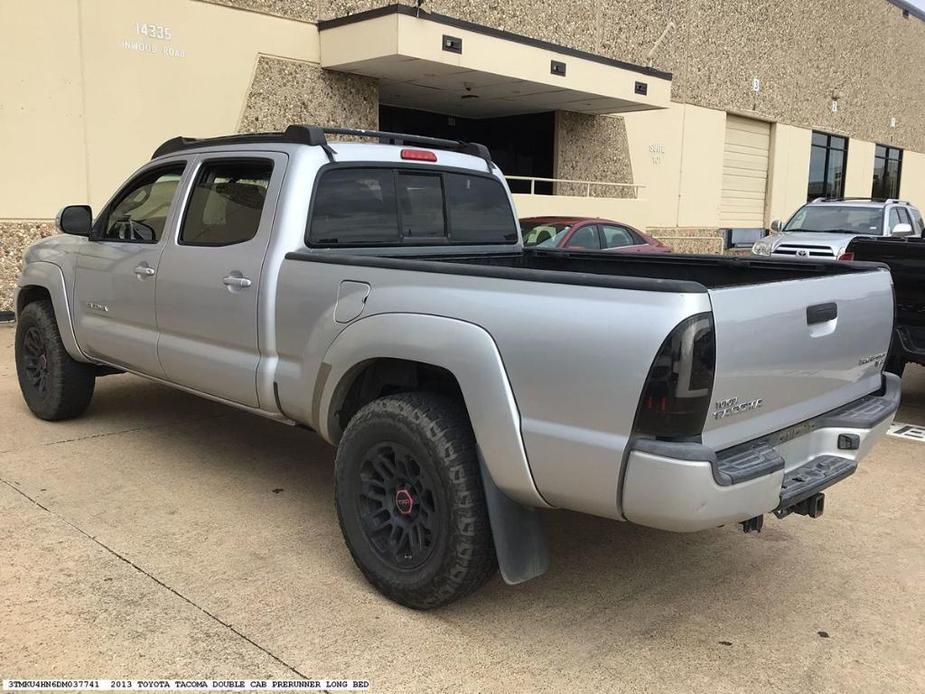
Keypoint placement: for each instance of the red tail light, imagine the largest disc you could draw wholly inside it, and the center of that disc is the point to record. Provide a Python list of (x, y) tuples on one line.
[(676, 396), (418, 155), (847, 255)]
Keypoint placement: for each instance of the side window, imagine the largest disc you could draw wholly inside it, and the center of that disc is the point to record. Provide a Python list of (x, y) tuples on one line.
[(918, 227), (354, 206), (615, 237), (226, 203), (895, 217), (140, 213), (586, 238)]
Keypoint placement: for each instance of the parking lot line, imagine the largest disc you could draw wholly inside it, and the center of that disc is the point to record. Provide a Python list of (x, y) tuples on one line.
[(910, 432)]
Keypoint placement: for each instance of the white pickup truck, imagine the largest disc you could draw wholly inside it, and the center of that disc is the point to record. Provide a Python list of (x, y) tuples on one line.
[(379, 294)]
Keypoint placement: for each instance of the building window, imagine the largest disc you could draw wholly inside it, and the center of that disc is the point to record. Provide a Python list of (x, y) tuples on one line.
[(827, 160), (888, 167)]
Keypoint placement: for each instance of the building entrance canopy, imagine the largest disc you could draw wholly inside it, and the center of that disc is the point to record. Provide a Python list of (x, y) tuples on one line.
[(436, 63)]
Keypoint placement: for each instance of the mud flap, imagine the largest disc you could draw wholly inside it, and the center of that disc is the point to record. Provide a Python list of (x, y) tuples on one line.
[(520, 542)]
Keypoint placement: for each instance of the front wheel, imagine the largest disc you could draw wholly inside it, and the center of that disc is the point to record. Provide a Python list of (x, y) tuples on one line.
[(410, 500), (54, 385)]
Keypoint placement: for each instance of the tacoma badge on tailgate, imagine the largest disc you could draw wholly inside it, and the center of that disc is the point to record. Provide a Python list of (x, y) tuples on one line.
[(731, 406)]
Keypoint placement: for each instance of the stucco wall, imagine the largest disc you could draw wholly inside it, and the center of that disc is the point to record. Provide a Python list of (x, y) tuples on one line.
[(88, 98), (678, 154), (789, 170)]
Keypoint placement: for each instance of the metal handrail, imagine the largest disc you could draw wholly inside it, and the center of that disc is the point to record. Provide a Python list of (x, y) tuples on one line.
[(534, 179)]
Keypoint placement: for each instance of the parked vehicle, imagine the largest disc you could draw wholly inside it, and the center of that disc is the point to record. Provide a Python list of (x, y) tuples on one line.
[(587, 234), (906, 259), (823, 228), (380, 294)]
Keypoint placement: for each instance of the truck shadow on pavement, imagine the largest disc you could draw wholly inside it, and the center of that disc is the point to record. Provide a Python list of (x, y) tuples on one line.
[(277, 481), (236, 514)]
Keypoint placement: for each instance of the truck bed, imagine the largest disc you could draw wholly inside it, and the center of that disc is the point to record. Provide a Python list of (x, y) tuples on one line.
[(801, 348), (661, 273)]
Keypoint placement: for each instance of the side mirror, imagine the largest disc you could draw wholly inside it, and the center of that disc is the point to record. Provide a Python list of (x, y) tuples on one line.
[(77, 220), (902, 230), (776, 226)]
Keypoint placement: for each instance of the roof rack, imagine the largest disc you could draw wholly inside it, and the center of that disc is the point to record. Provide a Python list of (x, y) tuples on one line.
[(887, 201), (315, 136)]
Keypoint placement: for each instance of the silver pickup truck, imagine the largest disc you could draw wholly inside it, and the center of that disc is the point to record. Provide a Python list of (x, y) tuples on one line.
[(379, 294)]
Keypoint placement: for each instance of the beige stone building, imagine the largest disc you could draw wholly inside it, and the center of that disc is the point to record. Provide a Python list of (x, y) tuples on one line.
[(683, 117)]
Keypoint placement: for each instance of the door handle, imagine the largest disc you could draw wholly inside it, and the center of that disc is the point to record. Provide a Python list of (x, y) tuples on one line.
[(144, 271), (821, 313), (236, 281)]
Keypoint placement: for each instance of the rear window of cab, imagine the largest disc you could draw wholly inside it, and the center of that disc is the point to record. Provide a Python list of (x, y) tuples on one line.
[(394, 206)]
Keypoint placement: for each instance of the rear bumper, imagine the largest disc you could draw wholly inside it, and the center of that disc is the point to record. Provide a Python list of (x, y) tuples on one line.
[(686, 486)]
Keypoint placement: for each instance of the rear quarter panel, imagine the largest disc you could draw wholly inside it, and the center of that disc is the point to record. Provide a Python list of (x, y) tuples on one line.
[(576, 358)]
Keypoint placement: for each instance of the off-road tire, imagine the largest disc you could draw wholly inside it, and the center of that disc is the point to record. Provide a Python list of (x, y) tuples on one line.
[(54, 385), (436, 434)]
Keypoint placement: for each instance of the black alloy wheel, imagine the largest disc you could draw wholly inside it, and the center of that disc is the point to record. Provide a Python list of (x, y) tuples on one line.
[(397, 506)]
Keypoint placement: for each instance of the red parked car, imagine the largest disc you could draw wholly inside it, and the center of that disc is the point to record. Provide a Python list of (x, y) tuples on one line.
[(582, 233)]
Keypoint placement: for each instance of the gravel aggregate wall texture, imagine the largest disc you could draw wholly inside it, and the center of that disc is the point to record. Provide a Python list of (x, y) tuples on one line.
[(15, 237), (291, 91), (864, 52)]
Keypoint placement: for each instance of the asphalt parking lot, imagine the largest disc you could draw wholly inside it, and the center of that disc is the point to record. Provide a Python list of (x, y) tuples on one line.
[(167, 536)]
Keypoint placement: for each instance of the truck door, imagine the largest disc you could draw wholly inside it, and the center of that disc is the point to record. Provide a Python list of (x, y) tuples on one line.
[(209, 280), (114, 317)]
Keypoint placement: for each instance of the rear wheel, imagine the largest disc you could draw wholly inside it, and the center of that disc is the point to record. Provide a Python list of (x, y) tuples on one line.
[(410, 500), (54, 385)]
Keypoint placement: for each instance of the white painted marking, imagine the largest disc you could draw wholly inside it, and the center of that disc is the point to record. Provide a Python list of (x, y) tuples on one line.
[(910, 432)]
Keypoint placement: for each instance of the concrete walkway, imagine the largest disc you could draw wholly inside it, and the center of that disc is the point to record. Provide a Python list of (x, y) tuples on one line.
[(166, 536)]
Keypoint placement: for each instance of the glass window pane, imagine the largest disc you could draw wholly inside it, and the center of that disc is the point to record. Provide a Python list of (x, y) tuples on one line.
[(141, 212), (893, 219), (820, 139), (918, 224), (835, 174), (420, 201), (355, 206), (877, 190), (891, 179), (226, 203), (585, 238), (615, 236), (479, 210), (816, 173), (535, 234), (880, 151), (838, 142)]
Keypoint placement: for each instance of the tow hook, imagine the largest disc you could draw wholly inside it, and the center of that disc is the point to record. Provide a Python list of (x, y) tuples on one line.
[(753, 525)]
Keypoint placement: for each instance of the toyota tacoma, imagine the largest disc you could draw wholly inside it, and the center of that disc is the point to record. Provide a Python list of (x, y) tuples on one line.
[(379, 293)]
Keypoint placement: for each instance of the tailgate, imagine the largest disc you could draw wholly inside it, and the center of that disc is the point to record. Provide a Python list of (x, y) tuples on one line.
[(788, 351)]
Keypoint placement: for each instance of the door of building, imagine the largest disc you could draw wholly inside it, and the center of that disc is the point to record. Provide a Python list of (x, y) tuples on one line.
[(745, 173)]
